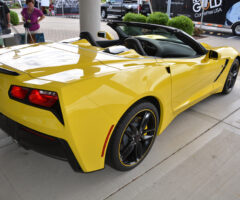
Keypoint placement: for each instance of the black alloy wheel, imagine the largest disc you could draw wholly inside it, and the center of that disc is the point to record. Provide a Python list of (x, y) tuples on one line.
[(231, 78), (133, 136)]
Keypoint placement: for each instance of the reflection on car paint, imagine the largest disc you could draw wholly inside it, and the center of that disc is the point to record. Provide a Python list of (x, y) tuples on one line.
[(37, 82), (65, 76)]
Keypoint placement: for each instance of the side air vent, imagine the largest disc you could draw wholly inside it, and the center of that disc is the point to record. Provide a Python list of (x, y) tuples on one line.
[(224, 67)]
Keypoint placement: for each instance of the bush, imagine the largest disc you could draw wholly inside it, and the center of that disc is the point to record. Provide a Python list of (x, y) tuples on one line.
[(182, 22), (15, 5), (158, 18), (133, 17), (14, 18)]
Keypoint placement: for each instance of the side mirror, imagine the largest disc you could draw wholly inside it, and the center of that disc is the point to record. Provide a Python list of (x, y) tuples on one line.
[(213, 55), (106, 35)]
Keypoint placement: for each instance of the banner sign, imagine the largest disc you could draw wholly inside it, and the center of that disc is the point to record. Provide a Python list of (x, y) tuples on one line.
[(224, 12)]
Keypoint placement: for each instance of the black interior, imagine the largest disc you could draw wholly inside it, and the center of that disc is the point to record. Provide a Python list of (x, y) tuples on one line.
[(89, 38), (150, 47), (134, 43), (186, 46), (108, 43), (146, 47), (166, 49)]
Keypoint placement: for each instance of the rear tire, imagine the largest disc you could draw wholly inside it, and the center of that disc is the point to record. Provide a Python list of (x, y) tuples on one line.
[(133, 137), (236, 29), (231, 78)]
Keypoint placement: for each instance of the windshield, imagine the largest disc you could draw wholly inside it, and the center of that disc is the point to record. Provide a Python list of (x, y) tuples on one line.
[(157, 33)]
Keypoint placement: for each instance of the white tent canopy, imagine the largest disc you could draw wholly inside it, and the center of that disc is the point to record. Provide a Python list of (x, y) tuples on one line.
[(45, 3), (67, 3)]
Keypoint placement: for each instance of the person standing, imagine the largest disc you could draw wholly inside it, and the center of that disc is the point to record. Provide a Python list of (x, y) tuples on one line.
[(4, 20), (32, 16)]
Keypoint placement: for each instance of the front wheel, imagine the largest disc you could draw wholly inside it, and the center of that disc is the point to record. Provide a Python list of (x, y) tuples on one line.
[(133, 137), (231, 78), (104, 13), (236, 29)]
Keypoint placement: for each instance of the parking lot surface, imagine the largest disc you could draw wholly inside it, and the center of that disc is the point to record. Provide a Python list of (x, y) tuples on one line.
[(196, 157)]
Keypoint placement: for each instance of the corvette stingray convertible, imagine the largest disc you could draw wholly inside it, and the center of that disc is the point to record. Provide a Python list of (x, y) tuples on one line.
[(94, 102)]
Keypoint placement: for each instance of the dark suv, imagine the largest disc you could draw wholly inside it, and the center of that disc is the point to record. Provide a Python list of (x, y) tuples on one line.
[(120, 7)]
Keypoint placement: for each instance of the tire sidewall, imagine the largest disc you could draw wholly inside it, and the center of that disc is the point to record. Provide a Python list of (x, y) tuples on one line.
[(105, 16), (113, 153), (225, 89), (234, 28)]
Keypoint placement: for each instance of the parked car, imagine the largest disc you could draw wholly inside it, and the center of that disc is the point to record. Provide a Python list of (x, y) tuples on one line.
[(121, 7), (92, 102)]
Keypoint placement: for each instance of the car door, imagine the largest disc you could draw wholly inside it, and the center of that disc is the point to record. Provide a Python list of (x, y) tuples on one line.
[(193, 70), (192, 79)]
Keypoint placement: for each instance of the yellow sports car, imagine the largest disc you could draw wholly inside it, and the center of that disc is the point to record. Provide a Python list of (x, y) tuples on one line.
[(92, 102)]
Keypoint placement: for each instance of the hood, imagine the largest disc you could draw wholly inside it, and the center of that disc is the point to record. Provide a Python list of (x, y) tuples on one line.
[(62, 62)]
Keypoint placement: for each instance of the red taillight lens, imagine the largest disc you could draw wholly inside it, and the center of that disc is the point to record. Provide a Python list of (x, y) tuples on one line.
[(19, 92), (43, 98), (38, 97)]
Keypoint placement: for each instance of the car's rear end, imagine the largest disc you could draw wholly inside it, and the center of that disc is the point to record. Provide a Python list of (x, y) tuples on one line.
[(45, 102), (33, 115)]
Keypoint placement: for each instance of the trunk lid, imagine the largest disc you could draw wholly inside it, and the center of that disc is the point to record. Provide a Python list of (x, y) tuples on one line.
[(60, 62)]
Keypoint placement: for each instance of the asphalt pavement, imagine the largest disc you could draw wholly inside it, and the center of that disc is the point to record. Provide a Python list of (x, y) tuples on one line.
[(197, 157)]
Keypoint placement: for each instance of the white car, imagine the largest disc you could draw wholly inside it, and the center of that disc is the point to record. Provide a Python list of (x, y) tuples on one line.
[(233, 18)]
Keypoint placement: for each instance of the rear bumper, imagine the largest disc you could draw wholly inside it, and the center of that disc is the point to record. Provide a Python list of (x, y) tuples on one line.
[(42, 143)]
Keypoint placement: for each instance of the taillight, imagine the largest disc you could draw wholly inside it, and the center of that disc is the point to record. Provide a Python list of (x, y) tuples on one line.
[(34, 96), (43, 98), (19, 92)]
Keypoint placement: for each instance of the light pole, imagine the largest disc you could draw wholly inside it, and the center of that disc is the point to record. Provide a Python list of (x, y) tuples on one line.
[(204, 4), (169, 8), (62, 8), (138, 6)]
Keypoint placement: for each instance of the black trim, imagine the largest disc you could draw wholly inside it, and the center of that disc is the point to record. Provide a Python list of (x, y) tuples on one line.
[(224, 67), (71, 158), (8, 72), (39, 142), (55, 109), (86, 35), (168, 70)]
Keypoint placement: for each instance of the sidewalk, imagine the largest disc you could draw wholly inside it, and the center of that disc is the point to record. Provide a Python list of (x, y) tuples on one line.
[(197, 157)]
